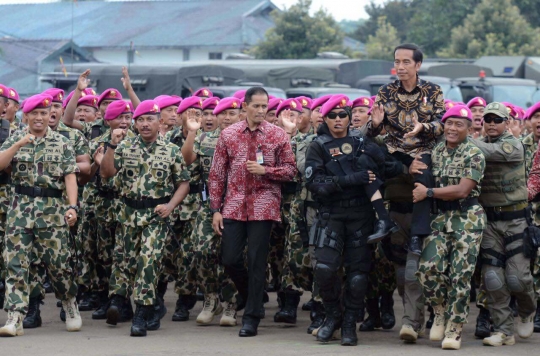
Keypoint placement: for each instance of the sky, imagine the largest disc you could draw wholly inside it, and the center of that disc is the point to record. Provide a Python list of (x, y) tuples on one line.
[(340, 9)]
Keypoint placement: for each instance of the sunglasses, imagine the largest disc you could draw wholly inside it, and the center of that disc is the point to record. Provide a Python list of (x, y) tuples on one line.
[(497, 120), (332, 115)]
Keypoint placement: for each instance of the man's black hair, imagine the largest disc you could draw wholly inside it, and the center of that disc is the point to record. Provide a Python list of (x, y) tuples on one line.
[(417, 56), (254, 91)]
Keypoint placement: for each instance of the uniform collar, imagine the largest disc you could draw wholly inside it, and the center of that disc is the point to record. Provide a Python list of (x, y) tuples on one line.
[(262, 126)]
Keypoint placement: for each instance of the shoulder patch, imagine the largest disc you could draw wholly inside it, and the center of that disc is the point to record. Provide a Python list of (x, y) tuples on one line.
[(309, 172), (507, 147)]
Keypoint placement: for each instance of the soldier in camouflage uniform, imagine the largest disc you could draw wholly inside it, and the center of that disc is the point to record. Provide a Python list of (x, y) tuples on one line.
[(153, 180), (179, 247), (80, 149), (107, 205), (531, 146), (9, 101), (297, 275), (505, 269), (449, 255), (211, 277), (42, 170)]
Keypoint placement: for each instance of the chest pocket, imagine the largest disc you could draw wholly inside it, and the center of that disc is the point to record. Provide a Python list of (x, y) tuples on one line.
[(160, 171), (23, 162), (453, 174), (52, 163)]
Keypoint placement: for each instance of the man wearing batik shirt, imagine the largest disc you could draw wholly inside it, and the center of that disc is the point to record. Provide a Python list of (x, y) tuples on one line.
[(252, 158)]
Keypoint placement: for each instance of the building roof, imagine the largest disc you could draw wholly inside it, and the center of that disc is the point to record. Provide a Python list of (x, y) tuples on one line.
[(21, 60), (158, 24)]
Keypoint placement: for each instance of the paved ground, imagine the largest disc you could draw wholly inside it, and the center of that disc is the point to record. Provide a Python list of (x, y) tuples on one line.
[(187, 338)]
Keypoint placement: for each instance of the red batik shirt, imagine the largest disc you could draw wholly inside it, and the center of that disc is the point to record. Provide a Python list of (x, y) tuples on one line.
[(248, 196)]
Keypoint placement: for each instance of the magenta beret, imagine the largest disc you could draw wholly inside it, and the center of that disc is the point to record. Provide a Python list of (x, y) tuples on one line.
[(85, 92), (57, 94), (458, 111), (240, 94), (13, 95), (203, 92), (476, 101), (532, 110), (166, 101), (39, 101), (146, 107), (117, 108), (210, 103), (109, 94), (190, 102), (274, 103), (227, 103), (289, 104), (4, 91), (335, 102), (305, 101), (363, 101), (88, 100), (320, 101)]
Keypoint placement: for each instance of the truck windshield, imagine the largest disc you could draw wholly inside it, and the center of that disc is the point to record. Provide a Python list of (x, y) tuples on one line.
[(520, 95)]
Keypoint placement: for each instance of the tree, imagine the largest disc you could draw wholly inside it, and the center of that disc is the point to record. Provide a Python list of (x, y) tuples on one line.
[(297, 35), (496, 27), (381, 46), (397, 13)]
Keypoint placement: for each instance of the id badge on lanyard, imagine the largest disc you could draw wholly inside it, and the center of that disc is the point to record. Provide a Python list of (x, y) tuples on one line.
[(259, 155)]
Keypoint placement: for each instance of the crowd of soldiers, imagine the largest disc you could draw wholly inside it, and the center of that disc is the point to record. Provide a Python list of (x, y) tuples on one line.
[(106, 201)]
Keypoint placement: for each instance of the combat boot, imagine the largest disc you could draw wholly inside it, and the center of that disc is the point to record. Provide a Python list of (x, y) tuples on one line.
[(307, 306), (415, 245), (287, 314), (229, 315), (499, 339), (183, 305), (348, 328), (89, 301), (382, 229), (525, 326), (47, 285), (138, 326), (101, 312), (211, 308), (126, 313), (33, 316), (374, 319), (483, 325), (73, 317), (429, 323), (115, 308), (331, 323), (452, 336), (439, 324), (317, 317), (537, 318), (408, 334), (161, 289), (388, 318), (2, 292), (153, 319), (14, 325)]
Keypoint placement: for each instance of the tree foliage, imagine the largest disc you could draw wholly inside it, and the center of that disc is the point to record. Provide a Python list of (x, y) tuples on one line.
[(382, 44), (297, 35), (496, 27)]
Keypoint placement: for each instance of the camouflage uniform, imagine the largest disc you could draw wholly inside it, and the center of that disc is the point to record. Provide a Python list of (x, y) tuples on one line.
[(94, 129), (146, 175), (382, 277), (37, 271), (297, 274), (530, 149), (449, 255), (505, 270), (211, 277), (40, 231), (177, 261)]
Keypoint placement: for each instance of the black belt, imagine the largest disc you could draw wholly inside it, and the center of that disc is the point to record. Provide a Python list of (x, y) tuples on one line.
[(312, 204), (195, 188), (5, 178), (401, 207), (349, 203), (145, 204), (495, 215), (38, 192), (108, 194), (445, 206)]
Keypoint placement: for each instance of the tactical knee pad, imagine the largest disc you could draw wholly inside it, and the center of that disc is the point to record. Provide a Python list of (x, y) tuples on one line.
[(492, 281), (357, 284), (325, 276), (410, 271), (514, 285)]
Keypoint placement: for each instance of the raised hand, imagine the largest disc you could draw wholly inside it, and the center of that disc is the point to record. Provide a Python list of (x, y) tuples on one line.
[(193, 122), (418, 127), (98, 155), (126, 81), (117, 136), (82, 82), (28, 138), (288, 123), (377, 115)]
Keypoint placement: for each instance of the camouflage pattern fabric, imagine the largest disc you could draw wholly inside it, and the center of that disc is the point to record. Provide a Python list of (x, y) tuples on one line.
[(87, 128), (449, 255), (382, 276), (37, 229), (145, 171)]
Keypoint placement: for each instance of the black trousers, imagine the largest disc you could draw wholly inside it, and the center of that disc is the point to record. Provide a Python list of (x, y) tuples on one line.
[(250, 281), (421, 218), (350, 227)]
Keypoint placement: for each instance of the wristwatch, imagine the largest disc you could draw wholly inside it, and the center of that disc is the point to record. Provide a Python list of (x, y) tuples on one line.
[(213, 211), (74, 207), (430, 193), (112, 146)]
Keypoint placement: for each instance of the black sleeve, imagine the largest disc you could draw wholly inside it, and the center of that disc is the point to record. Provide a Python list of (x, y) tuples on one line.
[(317, 180)]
